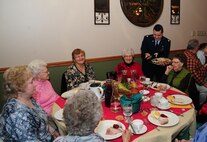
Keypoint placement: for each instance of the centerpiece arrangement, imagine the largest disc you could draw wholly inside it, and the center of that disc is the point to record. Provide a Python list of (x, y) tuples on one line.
[(125, 93)]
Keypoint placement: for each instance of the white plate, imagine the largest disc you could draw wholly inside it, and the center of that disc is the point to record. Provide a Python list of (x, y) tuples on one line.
[(181, 100), (146, 82), (143, 130), (173, 119), (155, 84), (59, 115), (144, 92), (163, 107), (161, 61), (70, 93), (104, 125)]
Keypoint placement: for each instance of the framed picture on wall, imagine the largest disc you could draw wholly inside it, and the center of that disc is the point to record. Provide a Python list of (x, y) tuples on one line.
[(101, 12), (175, 12)]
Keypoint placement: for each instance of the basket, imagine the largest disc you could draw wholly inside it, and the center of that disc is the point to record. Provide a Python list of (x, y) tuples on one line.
[(134, 100)]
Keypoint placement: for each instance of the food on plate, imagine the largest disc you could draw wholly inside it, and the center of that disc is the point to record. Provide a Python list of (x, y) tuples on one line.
[(163, 115), (161, 87), (156, 114), (171, 98), (116, 126), (161, 61), (113, 131), (162, 118)]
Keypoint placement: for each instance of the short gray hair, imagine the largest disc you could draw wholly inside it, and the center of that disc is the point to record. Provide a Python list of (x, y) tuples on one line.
[(36, 66), (192, 44), (82, 113), (127, 51)]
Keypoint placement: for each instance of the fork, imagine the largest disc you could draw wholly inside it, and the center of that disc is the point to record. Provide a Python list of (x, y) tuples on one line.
[(179, 114), (147, 122)]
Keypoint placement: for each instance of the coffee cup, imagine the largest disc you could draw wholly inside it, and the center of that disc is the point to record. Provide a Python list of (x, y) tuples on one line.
[(147, 79), (137, 125), (97, 90), (163, 102), (142, 79), (158, 95)]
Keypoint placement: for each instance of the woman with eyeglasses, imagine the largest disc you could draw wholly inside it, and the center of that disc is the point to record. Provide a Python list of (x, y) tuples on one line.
[(45, 95), (176, 75), (129, 65)]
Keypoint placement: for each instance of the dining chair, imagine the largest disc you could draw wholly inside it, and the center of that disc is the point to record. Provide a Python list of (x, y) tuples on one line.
[(63, 83), (111, 75)]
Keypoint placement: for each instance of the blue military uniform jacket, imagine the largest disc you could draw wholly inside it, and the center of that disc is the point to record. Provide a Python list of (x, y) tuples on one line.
[(162, 50), (148, 46)]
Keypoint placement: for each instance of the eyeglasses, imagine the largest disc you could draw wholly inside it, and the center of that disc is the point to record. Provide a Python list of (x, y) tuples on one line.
[(175, 62), (128, 56), (45, 72)]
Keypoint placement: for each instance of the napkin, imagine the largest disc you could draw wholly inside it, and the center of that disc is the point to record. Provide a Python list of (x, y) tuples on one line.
[(170, 98), (61, 102), (134, 100)]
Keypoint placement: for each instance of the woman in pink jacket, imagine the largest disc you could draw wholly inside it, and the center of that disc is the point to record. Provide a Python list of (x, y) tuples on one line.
[(45, 95)]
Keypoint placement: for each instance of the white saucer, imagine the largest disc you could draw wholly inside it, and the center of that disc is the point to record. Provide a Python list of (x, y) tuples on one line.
[(144, 92), (146, 82), (163, 107), (143, 130)]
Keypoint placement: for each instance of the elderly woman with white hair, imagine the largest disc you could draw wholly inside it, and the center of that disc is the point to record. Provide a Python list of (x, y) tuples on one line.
[(82, 113), (44, 94), (128, 64)]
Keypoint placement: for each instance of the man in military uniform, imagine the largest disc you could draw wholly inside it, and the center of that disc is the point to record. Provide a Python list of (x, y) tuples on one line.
[(154, 46)]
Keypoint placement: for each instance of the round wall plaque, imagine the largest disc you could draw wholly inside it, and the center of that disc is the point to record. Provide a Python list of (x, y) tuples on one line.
[(142, 13)]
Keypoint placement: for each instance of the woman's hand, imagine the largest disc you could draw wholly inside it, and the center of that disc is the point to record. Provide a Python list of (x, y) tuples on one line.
[(126, 136), (168, 69)]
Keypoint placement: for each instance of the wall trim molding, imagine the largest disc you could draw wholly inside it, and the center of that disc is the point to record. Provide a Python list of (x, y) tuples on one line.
[(92, 60)]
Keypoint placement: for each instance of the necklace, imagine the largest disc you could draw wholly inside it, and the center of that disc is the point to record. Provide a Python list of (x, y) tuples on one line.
[(81, 68), (25, 102)]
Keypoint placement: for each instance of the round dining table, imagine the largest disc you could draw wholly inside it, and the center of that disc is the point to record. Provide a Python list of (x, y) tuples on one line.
[(154, 133)]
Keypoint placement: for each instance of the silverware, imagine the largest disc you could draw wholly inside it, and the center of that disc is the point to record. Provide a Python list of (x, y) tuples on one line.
[(131, 125), (179, 114), (147, 122)]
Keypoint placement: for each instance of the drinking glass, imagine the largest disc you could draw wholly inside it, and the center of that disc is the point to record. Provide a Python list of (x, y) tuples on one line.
[(154, 101), (127, 111), (124, 76), (115, 103), (119, 77), (133, 75), (142, 79)]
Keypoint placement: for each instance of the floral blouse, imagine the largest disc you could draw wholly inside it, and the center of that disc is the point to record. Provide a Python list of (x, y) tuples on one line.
[(23, 124), (74, 77)]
